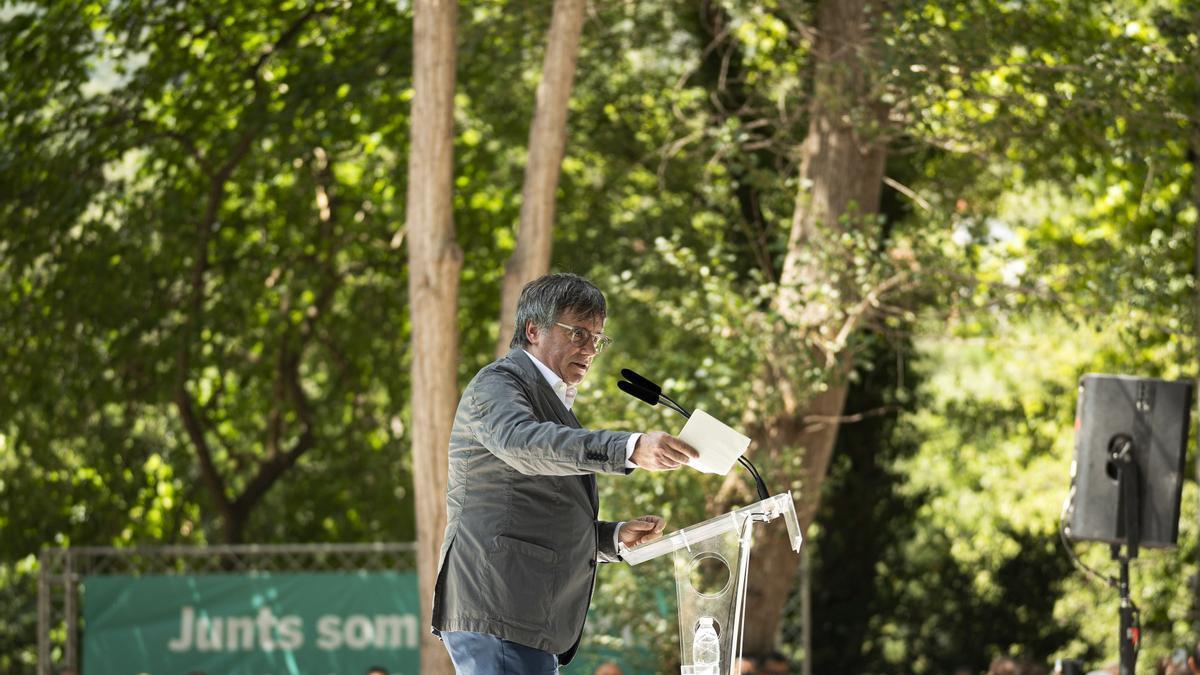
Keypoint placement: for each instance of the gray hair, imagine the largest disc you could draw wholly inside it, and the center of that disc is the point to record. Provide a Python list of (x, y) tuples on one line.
[(544, 299)]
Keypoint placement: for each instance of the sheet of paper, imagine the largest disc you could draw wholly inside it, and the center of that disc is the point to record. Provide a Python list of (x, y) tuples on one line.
[(719, 445)]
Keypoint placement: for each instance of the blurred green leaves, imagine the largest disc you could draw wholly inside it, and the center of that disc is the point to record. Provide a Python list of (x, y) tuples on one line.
[(1041, 201)]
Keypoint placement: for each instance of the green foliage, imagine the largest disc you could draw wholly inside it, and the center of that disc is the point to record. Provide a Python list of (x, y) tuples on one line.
[(991, 474), (205, 204), (1014, 134), (849, 584), (200, 205)]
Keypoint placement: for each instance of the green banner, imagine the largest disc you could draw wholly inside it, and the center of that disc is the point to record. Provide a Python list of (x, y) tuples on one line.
[(251, 624)]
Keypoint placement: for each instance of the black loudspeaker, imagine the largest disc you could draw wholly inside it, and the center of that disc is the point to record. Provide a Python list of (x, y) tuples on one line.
[(1113, 410)]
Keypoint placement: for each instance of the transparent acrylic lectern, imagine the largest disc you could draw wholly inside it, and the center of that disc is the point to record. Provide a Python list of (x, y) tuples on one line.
[(712, 559)]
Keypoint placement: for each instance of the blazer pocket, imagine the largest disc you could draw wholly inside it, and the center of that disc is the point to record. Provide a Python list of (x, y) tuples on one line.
[(522, 583), (530, 549)]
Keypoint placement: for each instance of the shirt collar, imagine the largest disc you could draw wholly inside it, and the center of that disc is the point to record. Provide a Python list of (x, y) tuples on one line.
[(566, 393)]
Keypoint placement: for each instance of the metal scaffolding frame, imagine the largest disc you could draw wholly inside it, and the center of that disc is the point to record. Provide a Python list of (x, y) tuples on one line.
[(61, 569)]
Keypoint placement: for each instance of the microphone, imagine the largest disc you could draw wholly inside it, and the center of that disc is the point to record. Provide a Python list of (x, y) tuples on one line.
[(649, 392), (653, 390), (639, 393), (640, 381)]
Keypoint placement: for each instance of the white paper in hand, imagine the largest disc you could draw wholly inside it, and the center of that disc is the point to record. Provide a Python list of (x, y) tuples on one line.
[(719, 446)]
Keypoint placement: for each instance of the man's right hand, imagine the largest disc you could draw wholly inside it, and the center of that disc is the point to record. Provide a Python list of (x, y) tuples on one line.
[(658, 451)]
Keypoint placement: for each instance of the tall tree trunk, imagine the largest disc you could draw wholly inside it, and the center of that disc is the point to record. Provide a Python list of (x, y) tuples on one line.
[(1195, 157), (434, 263), (547, 140), (842, 166)]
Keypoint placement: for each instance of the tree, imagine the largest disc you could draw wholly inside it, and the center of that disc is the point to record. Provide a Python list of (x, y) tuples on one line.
[(1025, 97), (893, 585), (199, 314), (821, 299), (1038, 152), (434, 260), (235, 329), (547, 140)]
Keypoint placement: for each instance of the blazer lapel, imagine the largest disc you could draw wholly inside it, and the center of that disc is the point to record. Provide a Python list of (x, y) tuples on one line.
[(589, 479), (549, 405)]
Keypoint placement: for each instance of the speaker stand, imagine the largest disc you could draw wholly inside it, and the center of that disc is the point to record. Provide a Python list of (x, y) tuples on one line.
[(1121, 451)]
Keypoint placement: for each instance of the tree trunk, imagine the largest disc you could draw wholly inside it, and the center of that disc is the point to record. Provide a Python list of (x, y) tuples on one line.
[(1195, 157), (773, 564), (843, 163), (434, 263), (547, 140)]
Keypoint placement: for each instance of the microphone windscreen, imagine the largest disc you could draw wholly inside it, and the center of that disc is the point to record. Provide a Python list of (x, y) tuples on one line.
[(638, 392), (640, 381)]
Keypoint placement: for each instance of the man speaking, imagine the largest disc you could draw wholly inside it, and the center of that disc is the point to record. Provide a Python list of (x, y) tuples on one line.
[(518, 563)]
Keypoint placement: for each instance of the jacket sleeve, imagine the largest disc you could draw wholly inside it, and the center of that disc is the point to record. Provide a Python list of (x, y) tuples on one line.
[(606, 551), (504, 422)]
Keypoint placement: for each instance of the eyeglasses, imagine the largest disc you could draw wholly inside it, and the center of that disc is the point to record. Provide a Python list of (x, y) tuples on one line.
[(582, 336)]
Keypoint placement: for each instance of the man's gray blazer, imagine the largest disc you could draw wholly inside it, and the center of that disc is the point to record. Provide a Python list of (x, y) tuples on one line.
[(522, 538)]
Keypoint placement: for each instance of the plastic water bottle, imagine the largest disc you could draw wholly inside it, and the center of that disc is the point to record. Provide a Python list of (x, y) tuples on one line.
[(706, 648)]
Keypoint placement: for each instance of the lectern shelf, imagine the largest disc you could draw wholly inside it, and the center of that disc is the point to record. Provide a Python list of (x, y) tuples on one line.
[(766, 510)]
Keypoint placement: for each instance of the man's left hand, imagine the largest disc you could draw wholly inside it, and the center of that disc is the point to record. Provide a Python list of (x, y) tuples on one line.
[(641, 530)]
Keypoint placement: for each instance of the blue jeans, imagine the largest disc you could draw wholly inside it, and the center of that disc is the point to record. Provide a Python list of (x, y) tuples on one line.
[(482, 654)]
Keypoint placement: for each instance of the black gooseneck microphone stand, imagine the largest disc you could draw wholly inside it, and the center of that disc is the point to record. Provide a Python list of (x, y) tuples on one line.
[(650, 393)]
